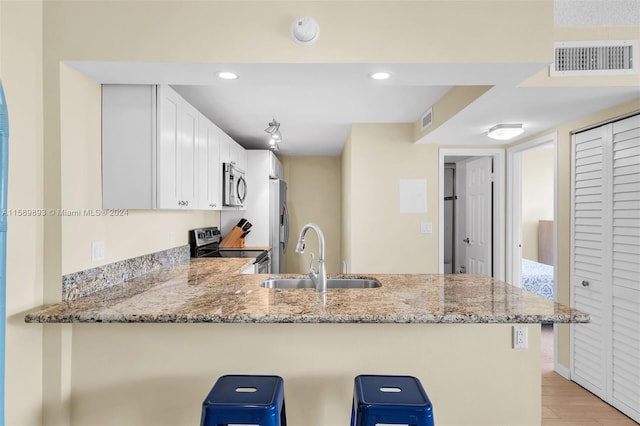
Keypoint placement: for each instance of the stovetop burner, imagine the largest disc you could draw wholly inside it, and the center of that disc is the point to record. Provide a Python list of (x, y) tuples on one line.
[(204, 242)]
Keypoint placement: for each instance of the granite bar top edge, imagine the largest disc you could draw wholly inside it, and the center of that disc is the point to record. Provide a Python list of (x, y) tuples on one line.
[(212, 291), (212, 319)]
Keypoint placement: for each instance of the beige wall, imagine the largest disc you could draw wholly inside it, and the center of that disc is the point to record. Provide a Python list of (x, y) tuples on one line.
[(125, 366), (537, 196), (379, 156), (313, 196), (21, 75), (354, 31)]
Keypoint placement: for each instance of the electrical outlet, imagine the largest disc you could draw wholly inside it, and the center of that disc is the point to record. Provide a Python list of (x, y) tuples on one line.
[(520, 337), (97, 251)]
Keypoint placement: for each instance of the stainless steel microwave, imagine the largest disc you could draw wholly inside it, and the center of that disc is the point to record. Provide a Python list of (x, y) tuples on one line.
[(234, 186)]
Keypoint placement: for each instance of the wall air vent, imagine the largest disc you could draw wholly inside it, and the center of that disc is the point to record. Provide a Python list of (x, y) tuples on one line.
[(610, 57), (427, 119)]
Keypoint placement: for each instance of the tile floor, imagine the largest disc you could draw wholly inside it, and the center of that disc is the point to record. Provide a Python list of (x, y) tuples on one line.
[(564, 403)]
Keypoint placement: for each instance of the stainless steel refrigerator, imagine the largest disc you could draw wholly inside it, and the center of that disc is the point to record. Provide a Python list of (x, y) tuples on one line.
[(265, 207), (279, 229)]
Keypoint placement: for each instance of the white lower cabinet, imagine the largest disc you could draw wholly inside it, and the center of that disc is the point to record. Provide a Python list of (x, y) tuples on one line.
[(605, 262)]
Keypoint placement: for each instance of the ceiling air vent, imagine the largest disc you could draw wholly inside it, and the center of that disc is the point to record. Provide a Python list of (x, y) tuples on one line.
[(427, 119), (610, 57)]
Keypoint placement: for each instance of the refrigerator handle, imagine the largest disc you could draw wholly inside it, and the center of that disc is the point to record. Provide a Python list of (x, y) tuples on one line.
[(285, 225)]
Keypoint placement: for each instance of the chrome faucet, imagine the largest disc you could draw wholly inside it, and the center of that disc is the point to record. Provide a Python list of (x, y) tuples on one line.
[(319, 278)]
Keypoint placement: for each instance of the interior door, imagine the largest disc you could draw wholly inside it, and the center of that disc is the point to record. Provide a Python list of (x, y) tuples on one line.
[(589, 263), (625, 256), (479, 218)]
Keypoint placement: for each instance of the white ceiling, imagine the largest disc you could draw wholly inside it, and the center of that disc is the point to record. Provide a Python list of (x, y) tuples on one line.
[(316, 103)]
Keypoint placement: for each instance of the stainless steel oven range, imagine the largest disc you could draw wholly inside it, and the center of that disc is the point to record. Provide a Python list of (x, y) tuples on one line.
[(204, 242)]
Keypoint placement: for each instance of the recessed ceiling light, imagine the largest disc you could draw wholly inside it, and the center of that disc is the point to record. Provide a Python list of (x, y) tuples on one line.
[(380, 75), (503, 132), (227, 75)]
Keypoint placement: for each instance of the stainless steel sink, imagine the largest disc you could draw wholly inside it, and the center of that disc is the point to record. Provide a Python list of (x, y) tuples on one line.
[(331, 283)]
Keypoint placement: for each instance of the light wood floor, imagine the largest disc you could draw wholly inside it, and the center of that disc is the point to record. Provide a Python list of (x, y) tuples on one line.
[(564, 403)]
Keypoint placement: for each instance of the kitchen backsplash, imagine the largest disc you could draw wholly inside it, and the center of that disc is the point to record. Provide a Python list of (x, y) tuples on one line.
[(89, 281)]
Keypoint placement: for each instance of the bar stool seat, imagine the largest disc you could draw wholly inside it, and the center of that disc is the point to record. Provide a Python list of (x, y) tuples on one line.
[(391, 400), (245, 399)]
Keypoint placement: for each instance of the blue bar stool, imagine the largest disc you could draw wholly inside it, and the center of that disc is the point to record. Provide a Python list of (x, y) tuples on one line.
[(391, 400), (244, 399)]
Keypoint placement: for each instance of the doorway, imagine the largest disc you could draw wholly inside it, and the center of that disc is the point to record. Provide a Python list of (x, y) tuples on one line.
[(532, 221), (531, 216), (472, 180)]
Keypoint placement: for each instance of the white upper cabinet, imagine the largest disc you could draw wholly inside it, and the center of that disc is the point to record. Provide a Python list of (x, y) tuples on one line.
[(176, 151), (129, 146), (209, 166), (275, 167), (225, 148), (242, 156), (232, 152), (159, 152)]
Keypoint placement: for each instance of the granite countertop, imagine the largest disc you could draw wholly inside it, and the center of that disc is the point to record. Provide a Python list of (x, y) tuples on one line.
[(211, 290)]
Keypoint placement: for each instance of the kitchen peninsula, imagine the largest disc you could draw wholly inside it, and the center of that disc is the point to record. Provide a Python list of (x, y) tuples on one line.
[(452, 331)]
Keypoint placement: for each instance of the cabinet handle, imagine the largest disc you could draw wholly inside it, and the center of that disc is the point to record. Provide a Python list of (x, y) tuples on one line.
[(186, 203), (585, 283), (466, 240)]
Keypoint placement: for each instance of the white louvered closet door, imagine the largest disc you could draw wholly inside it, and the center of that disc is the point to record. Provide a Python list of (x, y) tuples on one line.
[(606, 262), (589, 285), (626, 266)]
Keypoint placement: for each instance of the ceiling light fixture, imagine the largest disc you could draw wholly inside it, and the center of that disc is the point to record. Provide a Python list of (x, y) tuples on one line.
[(382, 75), (503, 132), (305, 30), (227, 75), (273, 128)]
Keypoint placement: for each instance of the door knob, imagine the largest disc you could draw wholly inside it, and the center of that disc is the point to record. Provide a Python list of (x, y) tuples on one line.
[(466, 240)]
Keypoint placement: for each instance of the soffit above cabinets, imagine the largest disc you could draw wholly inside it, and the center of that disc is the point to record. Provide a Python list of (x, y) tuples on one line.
[(317, 103)]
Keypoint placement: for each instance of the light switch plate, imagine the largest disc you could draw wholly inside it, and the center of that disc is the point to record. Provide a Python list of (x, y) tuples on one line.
[(426, 228), (97, 251)]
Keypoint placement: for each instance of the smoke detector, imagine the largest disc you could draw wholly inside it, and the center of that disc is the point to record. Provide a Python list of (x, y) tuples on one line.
[(305, 30)]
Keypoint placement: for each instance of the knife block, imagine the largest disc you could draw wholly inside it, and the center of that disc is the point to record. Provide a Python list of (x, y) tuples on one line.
[(233, 238)]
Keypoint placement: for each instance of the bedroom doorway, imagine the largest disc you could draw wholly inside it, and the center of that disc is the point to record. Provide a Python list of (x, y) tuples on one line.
[(532, 222), (531, 216)]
